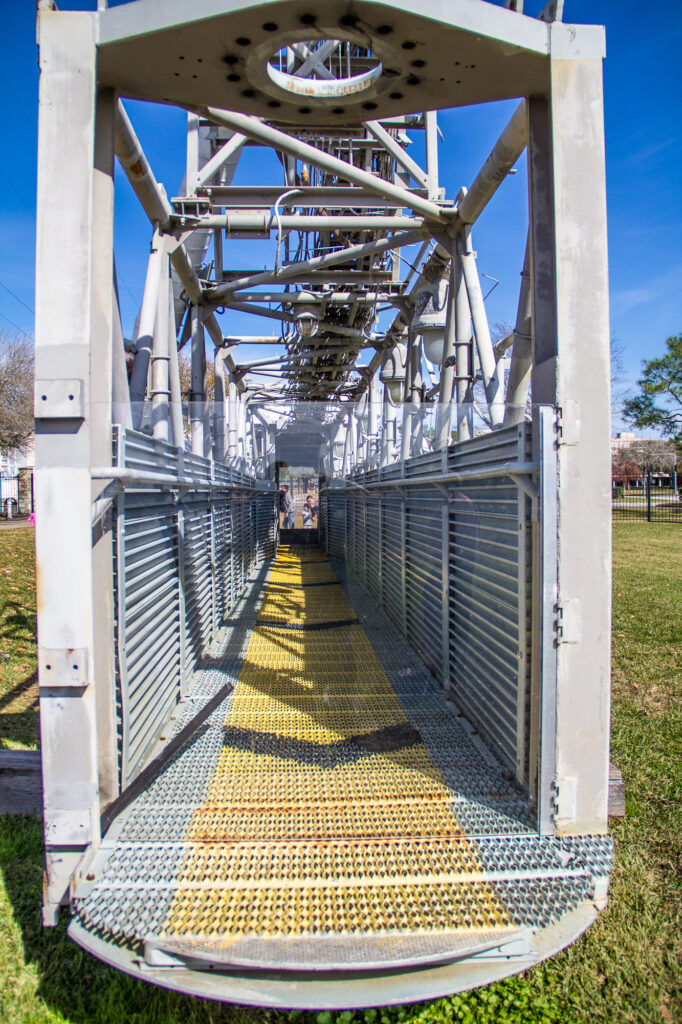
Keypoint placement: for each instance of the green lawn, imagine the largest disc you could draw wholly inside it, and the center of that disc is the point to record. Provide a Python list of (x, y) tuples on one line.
[(625, 969), (18, 687)]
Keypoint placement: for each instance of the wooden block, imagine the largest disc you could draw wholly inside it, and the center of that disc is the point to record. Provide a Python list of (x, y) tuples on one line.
[(616, 793)]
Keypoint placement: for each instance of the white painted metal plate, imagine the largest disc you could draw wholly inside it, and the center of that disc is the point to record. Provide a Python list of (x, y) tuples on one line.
[(59, 399)]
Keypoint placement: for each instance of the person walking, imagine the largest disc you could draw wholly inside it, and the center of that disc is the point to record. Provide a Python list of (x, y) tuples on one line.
[(286, 507)]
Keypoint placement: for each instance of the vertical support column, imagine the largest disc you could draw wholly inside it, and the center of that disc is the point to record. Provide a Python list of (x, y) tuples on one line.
[(431, 132), (447, 370), (145, 327), (161, 359), (463, 355), (177, 421), (484, 345), (219, 406), (66, 284), (571, 371), (198, 393), (104, 334)]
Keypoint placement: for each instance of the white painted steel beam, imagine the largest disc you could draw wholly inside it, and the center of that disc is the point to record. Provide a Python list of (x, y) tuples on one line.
[(284, 143), (67, 282)]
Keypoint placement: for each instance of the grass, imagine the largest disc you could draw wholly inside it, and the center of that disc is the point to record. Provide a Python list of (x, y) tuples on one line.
[(625, 969), (18, 685)]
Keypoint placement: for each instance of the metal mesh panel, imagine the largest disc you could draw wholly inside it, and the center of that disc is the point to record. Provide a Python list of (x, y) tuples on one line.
[(461, 600), (148, 622), (392, 553), (337, 525), (423, 575), (373, 546)]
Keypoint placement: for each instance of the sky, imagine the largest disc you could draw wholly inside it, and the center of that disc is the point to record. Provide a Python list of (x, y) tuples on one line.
[(643, 115)]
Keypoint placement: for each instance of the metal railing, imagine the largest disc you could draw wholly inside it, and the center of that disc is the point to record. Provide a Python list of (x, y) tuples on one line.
[(188, 534), (649, 501), (443, 543)]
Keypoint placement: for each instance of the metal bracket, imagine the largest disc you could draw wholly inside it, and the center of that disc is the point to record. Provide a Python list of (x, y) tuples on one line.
[(66, 666), (59, 400)]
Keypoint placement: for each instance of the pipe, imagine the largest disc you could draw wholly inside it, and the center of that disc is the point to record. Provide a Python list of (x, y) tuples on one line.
[(503, 156), (160, 362), (177, 421), (145, 327), (217, 161), (218, 406), (140, 175), (267, 222), (197, 398), (447, 369), (232, 420), (484, 345), (284, 143), (522, 351), (464, 385)]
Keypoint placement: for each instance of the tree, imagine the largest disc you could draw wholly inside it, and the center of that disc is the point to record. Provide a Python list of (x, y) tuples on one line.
[(185, 368), (16, 391), (659, 402)]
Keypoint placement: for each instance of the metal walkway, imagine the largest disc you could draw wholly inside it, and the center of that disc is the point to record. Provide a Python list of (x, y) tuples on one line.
[(332, 811)]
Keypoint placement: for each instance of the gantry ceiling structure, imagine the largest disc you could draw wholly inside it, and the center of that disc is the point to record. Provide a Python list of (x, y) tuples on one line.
[(339, 91)]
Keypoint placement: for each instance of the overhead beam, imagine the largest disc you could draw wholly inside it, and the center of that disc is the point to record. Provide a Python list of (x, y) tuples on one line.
[(400, 155), (279, 140)]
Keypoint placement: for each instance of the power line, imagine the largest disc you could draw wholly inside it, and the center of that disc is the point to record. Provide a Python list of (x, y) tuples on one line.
[(31, 120), (16, 326), (2, 285), (17, 193)]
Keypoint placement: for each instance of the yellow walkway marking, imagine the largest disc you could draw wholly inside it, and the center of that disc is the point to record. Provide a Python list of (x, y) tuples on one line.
[(325, 813)]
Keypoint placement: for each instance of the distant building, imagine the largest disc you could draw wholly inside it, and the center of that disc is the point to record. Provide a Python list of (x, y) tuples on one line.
[(12, 462)]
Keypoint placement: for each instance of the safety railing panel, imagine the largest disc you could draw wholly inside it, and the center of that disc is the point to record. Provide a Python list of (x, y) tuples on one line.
[(450, 563), (183, 554)]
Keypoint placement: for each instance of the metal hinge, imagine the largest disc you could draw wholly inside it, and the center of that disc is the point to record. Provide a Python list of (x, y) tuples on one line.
[(567, 621), (568, 423)]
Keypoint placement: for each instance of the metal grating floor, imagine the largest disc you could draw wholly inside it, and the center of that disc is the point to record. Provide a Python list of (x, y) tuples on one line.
[(332, 812)]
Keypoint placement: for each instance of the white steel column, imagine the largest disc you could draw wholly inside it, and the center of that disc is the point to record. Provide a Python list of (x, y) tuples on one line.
[(484, 345), (197, 399), (161, 360), (177, 420), (105, 329), (463, 355), (145, 326), (64, 442), (571, 342)]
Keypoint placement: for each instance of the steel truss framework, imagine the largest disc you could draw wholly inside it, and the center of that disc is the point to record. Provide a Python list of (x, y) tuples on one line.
[(339, 92)]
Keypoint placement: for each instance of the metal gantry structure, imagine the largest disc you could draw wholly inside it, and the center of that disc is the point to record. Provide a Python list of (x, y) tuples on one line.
[(463, 692)]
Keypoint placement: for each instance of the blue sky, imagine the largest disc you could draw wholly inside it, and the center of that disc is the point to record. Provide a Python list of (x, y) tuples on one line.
[(643, 86)]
